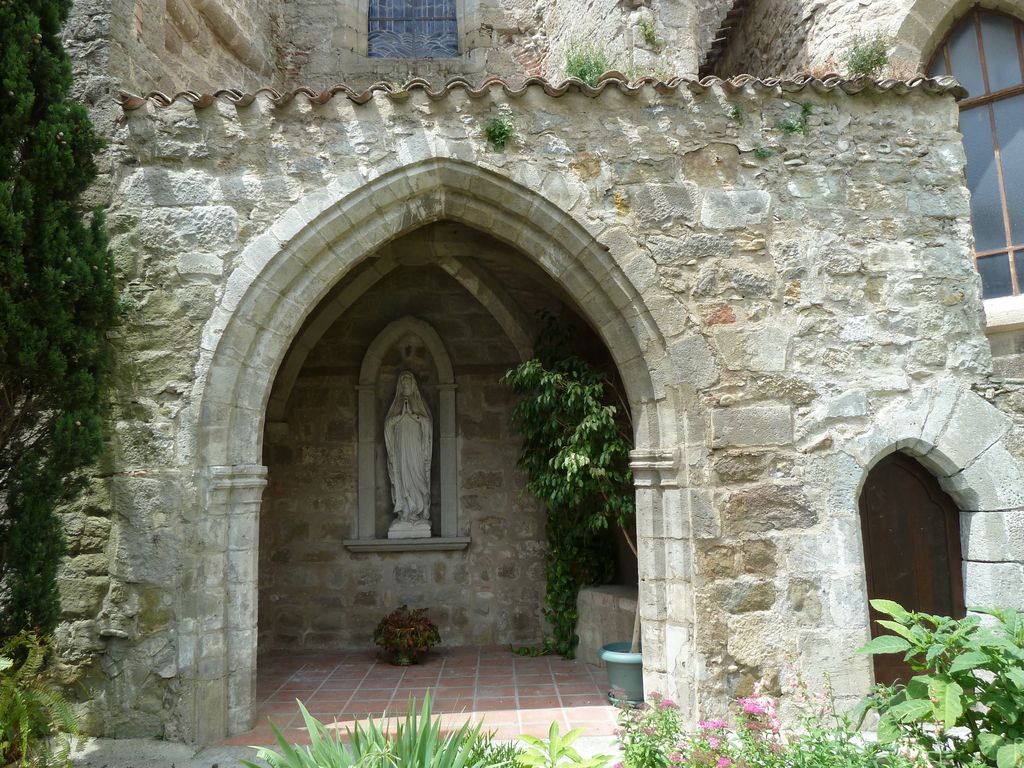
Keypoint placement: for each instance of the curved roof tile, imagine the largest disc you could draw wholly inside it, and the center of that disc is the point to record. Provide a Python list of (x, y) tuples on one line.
[(796, 84)]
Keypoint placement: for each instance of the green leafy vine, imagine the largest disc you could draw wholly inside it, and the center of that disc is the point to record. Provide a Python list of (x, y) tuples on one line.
[(576, 458)]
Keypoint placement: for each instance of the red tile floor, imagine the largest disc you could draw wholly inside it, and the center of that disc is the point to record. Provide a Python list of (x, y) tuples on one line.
[(511, 694)]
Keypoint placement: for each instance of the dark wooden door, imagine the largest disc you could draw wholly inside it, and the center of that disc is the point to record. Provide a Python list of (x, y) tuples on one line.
[(911, 532)]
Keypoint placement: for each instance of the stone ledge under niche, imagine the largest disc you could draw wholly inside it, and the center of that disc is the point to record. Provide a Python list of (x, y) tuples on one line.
[(432, 544)]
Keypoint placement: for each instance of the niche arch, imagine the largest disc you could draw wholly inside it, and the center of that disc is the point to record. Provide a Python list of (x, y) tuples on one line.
[(366, 454)]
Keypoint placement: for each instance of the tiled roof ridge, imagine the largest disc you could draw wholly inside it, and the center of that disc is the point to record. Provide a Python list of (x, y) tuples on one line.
[(794, 84)]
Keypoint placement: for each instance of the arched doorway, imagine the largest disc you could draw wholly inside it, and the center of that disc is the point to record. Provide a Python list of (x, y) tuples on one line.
[(911, 534), (287, 272)]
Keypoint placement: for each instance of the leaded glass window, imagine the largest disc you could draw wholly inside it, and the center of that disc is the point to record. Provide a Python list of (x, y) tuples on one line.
[(412, 29), (985, 52)]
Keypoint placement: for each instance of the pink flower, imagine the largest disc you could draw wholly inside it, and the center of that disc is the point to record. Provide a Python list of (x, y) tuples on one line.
[(753, 706), (724, 762), (714, 742), (668, 704), (675, 758), (712, 725)]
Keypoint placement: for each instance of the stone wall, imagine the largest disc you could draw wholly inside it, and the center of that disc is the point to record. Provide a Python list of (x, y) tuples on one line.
[(784, 308), (785, 37), (321, 44), (617, 29), (174, 45), (606, 615)]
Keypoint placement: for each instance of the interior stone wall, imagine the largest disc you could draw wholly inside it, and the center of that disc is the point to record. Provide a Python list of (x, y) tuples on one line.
[(314, 593)]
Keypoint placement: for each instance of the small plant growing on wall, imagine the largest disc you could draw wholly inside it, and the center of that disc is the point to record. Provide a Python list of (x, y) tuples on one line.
[(585, 61), (867, 56), (404, 635), (647, 31), (796, 124), (500, 130)]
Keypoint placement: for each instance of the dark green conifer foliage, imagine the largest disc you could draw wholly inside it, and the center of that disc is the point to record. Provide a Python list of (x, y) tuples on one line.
[(57, 300)]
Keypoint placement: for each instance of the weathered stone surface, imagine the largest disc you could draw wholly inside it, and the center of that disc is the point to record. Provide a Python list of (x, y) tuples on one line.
[(759, 557), (740, 466), (766, 508), (82, 596), (996, 536), (994, 481), (751, 425), (745, 596), (973, 426), (761, 349), (994, 585), (718, 562), (657, 204), (734, 209), (804, 599)]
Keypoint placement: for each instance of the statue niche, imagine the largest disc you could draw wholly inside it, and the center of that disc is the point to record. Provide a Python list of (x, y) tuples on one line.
[(408, 431), (408, 435)]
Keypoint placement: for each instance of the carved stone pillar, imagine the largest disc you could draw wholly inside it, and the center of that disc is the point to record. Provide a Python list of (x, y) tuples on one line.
[(665, 586), (225, 657)]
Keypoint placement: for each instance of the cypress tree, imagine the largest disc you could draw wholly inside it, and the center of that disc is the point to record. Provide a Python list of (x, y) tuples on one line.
[(57, 300)]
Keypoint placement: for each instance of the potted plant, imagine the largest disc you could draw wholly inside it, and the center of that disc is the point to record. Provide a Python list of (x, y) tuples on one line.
[(405, 635), (576, 434)]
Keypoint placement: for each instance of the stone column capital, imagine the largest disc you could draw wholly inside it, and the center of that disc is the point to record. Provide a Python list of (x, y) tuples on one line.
[(655, 467), (236, 476)]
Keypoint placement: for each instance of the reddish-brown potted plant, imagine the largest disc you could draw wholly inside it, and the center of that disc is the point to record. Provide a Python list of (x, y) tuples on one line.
[(405, 635)]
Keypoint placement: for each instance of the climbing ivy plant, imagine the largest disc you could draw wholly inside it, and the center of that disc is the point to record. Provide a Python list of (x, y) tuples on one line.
[(576, 439)]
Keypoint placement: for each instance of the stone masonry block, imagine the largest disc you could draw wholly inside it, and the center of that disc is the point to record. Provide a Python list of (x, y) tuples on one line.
[(694, 355), (973, 426), (751, 425), (766, 508), (734, 209), (994, 585), (993, 536), (761, 349), (993, 481), (658, 203)]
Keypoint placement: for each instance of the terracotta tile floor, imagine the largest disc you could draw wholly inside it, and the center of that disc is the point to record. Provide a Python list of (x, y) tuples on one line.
[(511, 694)]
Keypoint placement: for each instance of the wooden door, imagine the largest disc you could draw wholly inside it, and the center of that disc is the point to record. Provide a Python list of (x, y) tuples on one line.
[(911, 532)]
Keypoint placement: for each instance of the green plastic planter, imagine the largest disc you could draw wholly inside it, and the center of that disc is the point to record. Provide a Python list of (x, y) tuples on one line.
[(625, 673)]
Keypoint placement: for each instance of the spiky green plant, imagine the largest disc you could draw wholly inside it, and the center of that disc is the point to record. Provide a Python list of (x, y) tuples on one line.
[(417, 743), (36, 723)]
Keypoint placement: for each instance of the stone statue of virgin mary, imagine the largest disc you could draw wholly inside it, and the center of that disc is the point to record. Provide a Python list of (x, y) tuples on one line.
[(408, 434)]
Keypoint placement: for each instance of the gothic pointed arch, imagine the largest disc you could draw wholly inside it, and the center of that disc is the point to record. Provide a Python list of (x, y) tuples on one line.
[(285, 273)]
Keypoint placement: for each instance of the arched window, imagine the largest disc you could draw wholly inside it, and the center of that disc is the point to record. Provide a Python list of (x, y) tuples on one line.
[(985, 52), (412, 29)]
